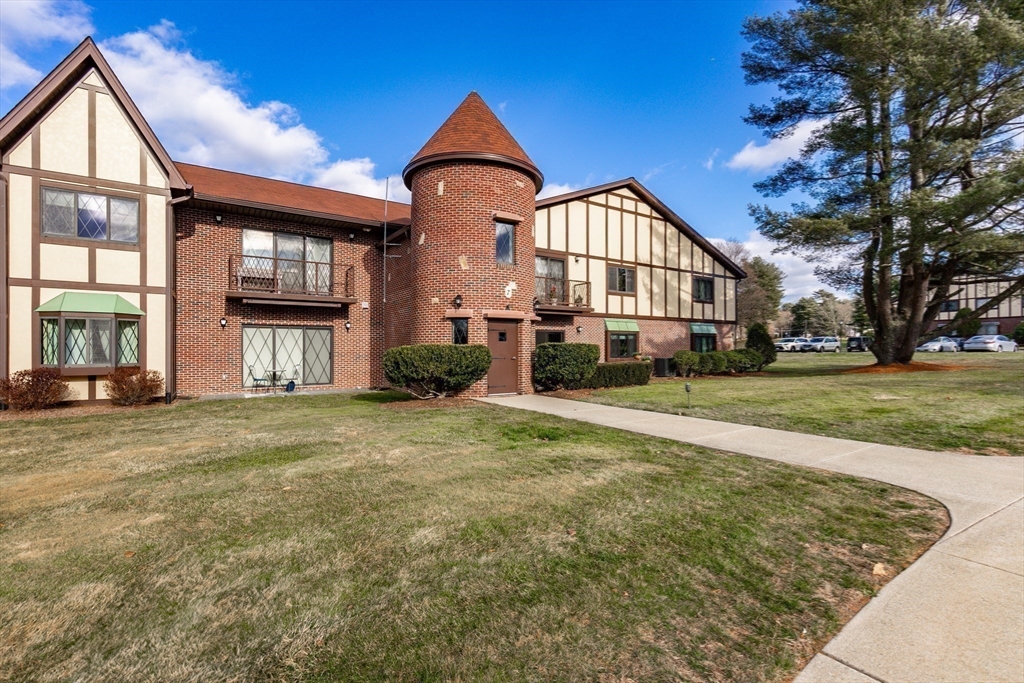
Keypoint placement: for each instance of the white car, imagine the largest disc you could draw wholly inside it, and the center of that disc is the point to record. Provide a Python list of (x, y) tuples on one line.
[(939, 345), (791, 343), (821, 344), (990, 342)]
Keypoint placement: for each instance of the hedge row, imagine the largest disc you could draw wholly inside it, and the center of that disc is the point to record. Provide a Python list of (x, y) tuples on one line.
[(691, 363), (564, 366), (623, 374)]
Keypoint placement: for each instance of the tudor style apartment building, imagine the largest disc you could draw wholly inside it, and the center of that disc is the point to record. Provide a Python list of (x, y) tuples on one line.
[(115, 255)]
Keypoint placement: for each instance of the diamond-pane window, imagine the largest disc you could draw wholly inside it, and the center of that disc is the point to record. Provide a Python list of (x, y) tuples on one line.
[(58, 213), (317, 355), (505, 243), (74, 342), (127, 342), (703, 289), (460, 331), (92, 216), (124, 220), (51, 341), (100, 341)]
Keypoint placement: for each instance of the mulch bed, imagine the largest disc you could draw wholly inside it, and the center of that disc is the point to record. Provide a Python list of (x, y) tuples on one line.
[(895, 368), (418, 404), (73, 410)]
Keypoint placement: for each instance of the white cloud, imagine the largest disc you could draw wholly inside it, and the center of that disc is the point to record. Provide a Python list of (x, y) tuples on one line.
[(709, 163), (555, 189), (754, 157), (30, 24), (357, 176), (502, 105), (800, 278)]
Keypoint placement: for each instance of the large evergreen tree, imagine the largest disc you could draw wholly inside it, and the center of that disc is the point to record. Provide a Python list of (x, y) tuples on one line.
[(915, 170)]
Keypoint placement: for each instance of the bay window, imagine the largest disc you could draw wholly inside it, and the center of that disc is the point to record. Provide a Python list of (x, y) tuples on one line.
[(89, 344)]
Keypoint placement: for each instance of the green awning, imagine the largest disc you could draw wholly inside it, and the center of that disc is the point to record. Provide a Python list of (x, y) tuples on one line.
[(702, 328), (621, 325), (83, 302)]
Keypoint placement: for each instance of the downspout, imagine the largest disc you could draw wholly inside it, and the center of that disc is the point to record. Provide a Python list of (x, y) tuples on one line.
[(171, 304), (4, 307)]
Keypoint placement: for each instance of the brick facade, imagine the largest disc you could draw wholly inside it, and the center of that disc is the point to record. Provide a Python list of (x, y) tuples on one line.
[(450, 251), (657, 338), (209, 358)]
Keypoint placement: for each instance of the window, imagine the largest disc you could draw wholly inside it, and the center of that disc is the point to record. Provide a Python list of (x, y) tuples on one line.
[(100, 343), (949, 306), (287, 354), (505, 243), (989, 328), (621, 280), (702, 343), (703, 289), (550, 336), (299, 263), (90, 216), (622, 344), (978, 303), (460, 330), (550, 280)]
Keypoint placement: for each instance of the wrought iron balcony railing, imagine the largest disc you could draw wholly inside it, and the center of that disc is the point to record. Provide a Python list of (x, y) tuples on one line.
[(552, 292), (287, 276)]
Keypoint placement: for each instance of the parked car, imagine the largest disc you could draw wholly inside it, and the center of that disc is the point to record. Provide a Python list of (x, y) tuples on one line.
[(790, 343), (938, 345), (959, 341), (821, 344), (990, 342), (858, 343)]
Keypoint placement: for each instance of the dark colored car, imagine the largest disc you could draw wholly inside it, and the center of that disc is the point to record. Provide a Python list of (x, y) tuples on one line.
[(858, 343)]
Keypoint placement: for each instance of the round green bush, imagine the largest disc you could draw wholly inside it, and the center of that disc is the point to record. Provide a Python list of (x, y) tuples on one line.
[(735, 361), (1018, 334), (753, 360), (436, 370), (966, 330), (564, 366), (686, 362), (759, 340)]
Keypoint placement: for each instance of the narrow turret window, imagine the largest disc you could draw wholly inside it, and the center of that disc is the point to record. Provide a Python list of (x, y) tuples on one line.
[(505, 243)]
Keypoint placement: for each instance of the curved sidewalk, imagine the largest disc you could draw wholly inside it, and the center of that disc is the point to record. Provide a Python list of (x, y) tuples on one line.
[(957, 613)]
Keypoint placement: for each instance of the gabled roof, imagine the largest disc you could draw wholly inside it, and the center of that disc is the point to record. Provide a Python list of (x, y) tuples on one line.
[(634, 186), (34, 105), (473, 132), (227, 187)]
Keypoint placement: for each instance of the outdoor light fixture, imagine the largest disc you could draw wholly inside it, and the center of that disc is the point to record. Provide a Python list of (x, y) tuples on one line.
[(223, 323), (688, 390), (218, 218), (351, 236), (458, 301), (579, 329), (348, 325)]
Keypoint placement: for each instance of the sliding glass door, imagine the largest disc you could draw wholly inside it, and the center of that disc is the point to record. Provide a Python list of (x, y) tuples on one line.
[(287, 354)]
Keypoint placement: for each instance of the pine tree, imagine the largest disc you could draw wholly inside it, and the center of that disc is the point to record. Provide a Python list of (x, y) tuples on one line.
[(912, 170)]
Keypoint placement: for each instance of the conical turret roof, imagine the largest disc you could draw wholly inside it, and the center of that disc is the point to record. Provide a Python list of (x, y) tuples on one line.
[(473, 132)]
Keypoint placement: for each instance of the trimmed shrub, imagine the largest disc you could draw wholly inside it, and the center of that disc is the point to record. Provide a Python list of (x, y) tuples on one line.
[(966, 330), (436, 370), (759, 340), (624, 374), (753, 360), (735, 361), (566, 366), (34, 389), (719, 362), (130, 386), (686, 363), (1018, 334)]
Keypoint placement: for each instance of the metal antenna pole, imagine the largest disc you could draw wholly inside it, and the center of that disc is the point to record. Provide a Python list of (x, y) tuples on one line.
[(387, 184)]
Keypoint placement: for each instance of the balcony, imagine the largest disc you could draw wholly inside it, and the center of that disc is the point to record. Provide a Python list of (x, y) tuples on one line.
[(562, 297), (277, 281)]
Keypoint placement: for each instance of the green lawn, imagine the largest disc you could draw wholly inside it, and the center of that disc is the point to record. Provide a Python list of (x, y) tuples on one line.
[(336, 538), (979, 409)]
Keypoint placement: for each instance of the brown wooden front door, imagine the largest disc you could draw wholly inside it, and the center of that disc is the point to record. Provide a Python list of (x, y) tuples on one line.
[(503, 340)]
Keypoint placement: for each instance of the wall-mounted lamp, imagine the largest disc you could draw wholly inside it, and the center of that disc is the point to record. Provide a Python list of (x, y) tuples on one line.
[(351, 236), (348, 325), (577, 259), (218, 218), (579, 329), (457, 301), (223, 323)]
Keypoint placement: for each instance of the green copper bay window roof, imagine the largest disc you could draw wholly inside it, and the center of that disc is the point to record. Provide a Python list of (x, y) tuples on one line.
[(87, 302), (702, 328), (621, 325)]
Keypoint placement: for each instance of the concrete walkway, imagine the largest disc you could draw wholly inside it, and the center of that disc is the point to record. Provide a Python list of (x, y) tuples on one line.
[(957, 614)]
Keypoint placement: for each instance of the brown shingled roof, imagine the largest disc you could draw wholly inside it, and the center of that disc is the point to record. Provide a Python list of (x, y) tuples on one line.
[(211, 184), (473, 132)]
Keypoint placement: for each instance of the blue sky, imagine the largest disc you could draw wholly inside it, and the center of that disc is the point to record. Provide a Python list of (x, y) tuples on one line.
[(343, 94)]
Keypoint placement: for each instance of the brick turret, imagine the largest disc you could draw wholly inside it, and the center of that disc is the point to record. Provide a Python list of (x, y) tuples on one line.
[(471, 175)]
